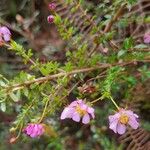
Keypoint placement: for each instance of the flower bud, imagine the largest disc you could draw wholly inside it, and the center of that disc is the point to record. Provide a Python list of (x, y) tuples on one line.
[(12, 140), (34, 130), (147, 38), (50, 19), (5, 35), (52, 6)]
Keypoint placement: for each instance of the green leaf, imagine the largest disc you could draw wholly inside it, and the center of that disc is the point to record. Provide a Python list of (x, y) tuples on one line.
[(141, 46), (26, 92), (50, 67), (2, 83), (15, 97), (68, 66), (57, 20), (128, 43), (121, 53), (3, 107)]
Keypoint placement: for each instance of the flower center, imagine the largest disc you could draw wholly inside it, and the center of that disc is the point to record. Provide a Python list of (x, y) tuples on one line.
[(124, 119), (81, 111)]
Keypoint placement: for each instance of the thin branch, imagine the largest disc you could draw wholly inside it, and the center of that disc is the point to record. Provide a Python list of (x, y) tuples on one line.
[(50, 77), (114, 19)]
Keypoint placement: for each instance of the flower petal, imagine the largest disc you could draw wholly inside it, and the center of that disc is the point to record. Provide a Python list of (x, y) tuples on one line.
[(76, 117), (90, 110), (28, 131), (133, 123), (129, 112), (73, 104), (121, 128), (33, 135), (147, 38), (86, 119), (80, 101), (93, 115), (114, 117), (67, 113), (6, 37), (83, 106), (113, 126), (4, 30)]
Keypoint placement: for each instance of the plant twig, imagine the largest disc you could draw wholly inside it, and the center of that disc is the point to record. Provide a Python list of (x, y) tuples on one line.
[(114, 19), (50, 77), (83, 70)]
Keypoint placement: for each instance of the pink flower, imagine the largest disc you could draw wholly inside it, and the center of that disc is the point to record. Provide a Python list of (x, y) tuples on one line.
[(52, 6), (121, 119), (34, 130), (147, 38), (50, 19), (77, 110), (5, 34)]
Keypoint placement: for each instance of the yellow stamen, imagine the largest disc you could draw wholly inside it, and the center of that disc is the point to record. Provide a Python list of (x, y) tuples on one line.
[(124, 119), (81, 111)]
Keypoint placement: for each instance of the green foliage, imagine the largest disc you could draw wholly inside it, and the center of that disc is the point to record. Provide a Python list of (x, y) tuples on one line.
[(112, 75), (19, 50), (48, 68), (145, 72), (128, 43), (132, 1)]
